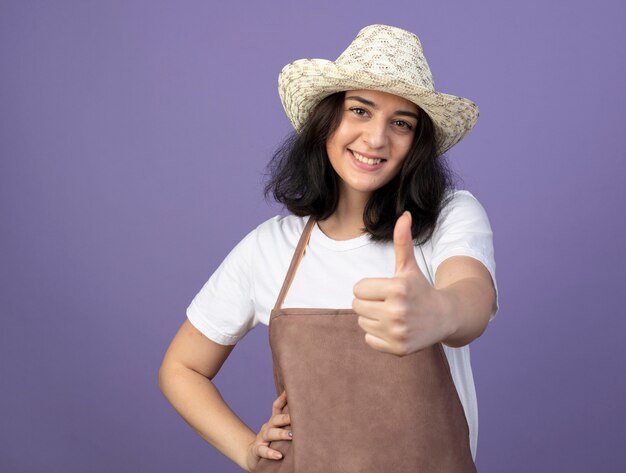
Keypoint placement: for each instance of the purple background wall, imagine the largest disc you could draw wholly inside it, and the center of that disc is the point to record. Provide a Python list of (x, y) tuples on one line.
[(133, 139)]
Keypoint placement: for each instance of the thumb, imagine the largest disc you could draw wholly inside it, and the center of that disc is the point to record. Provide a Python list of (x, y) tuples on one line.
[(403, 245)]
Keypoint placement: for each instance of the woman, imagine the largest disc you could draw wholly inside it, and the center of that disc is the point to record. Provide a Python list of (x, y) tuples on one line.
[(359, 359)]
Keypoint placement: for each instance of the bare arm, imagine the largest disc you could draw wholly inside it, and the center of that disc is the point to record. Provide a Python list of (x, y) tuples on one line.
[(468, 297), (189, 365)]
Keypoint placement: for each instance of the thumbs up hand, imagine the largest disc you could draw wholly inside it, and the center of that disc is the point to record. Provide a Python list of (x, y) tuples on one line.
[(402, 314)]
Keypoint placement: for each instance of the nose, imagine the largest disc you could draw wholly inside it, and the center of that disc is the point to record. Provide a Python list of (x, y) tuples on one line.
[(375, 134)]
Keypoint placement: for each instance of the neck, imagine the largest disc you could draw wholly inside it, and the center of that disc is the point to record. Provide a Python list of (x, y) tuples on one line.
[(346, 222)]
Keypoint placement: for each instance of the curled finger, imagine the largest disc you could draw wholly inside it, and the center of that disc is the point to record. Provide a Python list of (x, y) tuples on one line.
[(265, 451), (279, 403)]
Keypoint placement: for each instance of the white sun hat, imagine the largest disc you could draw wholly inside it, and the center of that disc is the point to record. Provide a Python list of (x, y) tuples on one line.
[(384, 58)]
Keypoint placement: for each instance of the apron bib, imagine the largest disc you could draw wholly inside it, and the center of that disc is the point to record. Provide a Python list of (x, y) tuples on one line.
[(354, 409)]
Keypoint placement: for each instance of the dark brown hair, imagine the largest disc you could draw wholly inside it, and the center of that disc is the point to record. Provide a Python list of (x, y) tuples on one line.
[(302, 178)]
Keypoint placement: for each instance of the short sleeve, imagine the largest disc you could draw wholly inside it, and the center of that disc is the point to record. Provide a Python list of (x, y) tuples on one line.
[(223, 309), (463, 229)]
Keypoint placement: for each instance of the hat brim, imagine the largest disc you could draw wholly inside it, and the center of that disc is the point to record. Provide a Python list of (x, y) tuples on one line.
[(302, 84)]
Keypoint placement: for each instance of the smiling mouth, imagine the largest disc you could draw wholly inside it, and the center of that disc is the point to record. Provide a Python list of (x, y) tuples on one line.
[(365, 160)]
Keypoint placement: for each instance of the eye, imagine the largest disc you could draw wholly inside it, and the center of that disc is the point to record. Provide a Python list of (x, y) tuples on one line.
[(358, 111), (403, 124)]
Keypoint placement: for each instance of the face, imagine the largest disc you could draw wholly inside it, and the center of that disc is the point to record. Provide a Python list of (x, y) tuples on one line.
[(372, 140)]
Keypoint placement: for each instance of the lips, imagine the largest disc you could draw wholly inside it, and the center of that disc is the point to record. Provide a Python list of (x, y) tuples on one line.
[(365, 165), (364, 156)]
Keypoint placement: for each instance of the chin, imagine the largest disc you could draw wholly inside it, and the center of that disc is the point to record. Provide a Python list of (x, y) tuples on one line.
[(364, 189)]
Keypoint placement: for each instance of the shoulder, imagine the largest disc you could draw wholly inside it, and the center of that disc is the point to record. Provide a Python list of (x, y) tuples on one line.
[(463, 217), (462, 198), (276, 233), (280, 228), (461, 204)]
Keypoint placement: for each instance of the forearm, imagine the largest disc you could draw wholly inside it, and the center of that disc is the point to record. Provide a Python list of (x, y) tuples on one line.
[(467, 309), (201, 405)]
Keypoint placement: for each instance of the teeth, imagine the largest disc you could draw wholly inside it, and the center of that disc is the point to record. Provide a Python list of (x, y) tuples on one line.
[(363, 159)]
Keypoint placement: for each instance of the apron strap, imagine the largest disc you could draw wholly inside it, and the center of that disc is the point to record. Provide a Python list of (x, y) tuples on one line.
[(295, 261)]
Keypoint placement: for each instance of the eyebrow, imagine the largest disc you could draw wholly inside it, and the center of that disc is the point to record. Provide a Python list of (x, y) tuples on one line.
[(373, 105)]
